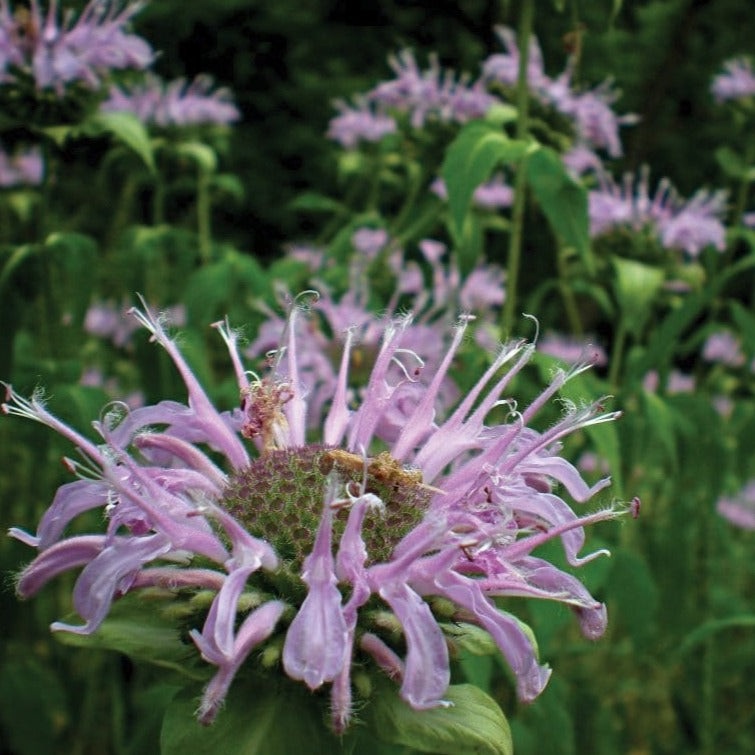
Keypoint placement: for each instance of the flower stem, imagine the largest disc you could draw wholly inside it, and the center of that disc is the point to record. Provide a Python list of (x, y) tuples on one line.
[(744, 186), (617, 352), (522, 129), (415, 177), (204, 215), (570, 302)]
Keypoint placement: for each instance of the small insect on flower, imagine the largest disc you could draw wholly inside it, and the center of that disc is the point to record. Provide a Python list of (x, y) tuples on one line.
[(382, 467)]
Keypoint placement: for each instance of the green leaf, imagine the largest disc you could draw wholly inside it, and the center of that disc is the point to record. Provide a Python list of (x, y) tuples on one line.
[(469, 160), (14, 260), (478, 669), (223, 287), (199, 153), (709, 628), (731, 163), (59, 135), (474, 723), (127, 128), (312, 201), (562, 200), (636, 286), (228, 185), (265, 718), (471, 243), (137, 628), (745, 320), (665, 338), (500, 114)]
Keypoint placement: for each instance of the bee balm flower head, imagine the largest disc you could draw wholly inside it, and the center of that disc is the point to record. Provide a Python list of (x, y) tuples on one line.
[(450, 510)]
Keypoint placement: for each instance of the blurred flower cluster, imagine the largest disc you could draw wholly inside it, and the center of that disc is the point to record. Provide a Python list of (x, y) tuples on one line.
[(56, 51), (686, 225), (178, 103)]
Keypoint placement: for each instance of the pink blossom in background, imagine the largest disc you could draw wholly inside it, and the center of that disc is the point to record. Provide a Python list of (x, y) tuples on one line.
[(680, 382), (572, 350), (359, 122), (107, 320), (424, 96), (595, 123), (22, 168), (723, 405), (483, 289), (677, 382), (504, 67), (581, 159), (369, 241), (175, 103), (736, 82), (687, 225), (739, 509), (312, 256), (93, 377), (725, 348), (490, 195), (81, 48), (591, 463), (432, 94)]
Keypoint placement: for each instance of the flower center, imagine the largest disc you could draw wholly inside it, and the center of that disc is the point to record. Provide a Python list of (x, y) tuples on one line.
[(279, 497)]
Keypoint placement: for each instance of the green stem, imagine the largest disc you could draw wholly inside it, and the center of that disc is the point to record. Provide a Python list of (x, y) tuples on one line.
[(617, 352), (158, 200), (373, 194), (744, 187), (46, 189), (522, 130), (422, 224), (122, 212), (570, 301), (204, 215), (415, 176), (708, 721)]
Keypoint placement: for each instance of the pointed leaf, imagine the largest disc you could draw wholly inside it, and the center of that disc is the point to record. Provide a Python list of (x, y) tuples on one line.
[(313, 201), (470, 159), (665, 337), (135, 628), (562, 200), (201, 154), (258, 719), (474, 723), (127, 128), (636, 286)]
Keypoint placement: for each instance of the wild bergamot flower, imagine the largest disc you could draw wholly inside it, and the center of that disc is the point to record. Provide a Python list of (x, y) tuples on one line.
[(327, 532)]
